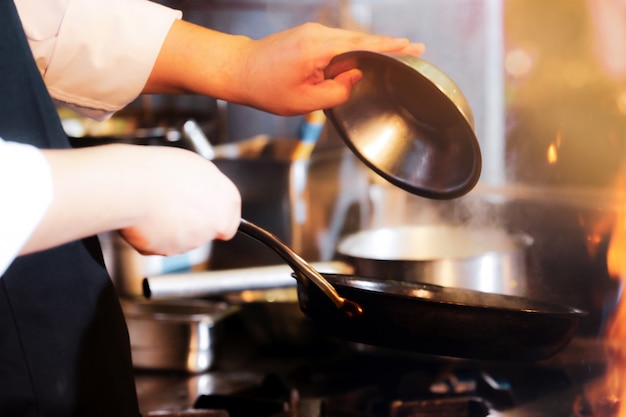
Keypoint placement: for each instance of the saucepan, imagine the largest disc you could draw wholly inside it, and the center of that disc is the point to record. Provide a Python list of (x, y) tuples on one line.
[(426, 318), (482, 258)]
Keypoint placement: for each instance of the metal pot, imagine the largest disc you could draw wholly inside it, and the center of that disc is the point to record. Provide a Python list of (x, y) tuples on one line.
[(179, 335), (483, 259)]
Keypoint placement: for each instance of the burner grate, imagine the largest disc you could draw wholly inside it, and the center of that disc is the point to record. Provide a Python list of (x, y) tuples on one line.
[(369, 386), (272, 397), (446, 407)]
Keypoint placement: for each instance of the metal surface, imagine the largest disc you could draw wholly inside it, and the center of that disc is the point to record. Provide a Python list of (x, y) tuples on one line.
[(484, 259), (174, 335), (409, 122), (206, 283), (354, 381)]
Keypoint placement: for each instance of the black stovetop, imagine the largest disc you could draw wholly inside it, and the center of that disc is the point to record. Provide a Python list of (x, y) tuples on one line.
[(357, 381)]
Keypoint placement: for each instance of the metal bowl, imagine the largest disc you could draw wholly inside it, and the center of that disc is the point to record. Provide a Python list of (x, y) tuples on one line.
[(409, 122)]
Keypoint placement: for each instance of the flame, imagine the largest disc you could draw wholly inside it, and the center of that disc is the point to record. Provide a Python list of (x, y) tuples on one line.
[(553, 154), (598, 227), (616, 330), (616, 254), (612, 389)]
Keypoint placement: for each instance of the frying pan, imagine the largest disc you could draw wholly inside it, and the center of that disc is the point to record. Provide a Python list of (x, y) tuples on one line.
[(426, 318)]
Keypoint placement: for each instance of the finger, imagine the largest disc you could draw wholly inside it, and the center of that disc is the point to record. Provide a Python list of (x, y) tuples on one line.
[(414, 49), (230, 227), (348, 79), (375, 42), (399, 45), (333, 92)]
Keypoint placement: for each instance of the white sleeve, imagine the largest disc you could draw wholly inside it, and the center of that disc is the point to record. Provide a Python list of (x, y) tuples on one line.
[(95, 55), (27, 192)]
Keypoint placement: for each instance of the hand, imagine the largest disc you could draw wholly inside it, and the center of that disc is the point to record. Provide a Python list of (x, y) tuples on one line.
[(284, 72), (186, 202)]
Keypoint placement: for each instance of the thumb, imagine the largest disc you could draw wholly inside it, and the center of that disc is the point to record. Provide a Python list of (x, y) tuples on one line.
[(338, 89), (349, 78)]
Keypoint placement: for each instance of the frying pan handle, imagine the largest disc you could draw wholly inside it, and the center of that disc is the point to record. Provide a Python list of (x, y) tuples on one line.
[(300, 266)]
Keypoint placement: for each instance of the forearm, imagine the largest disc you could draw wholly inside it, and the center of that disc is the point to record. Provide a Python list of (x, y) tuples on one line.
[(282, 73), (163, 200), (94, 191), (198, 60)]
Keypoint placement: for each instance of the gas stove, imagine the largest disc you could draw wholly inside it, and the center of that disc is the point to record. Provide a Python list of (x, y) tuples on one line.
[(340, 380)]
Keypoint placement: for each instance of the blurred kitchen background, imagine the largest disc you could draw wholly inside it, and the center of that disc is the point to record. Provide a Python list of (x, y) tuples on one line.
[(546, 82)]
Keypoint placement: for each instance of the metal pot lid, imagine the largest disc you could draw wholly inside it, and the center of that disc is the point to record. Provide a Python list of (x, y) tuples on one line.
[(409, 122)]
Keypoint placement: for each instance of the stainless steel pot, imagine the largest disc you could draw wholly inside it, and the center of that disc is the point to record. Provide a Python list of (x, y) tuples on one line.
[(177, 335), (482, 259)]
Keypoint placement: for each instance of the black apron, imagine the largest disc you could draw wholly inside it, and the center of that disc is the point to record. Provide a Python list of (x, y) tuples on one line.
[(64, 348)]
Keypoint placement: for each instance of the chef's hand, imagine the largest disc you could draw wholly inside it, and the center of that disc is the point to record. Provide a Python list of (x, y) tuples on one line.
[(163, 200), (282, 73), (185, 202)]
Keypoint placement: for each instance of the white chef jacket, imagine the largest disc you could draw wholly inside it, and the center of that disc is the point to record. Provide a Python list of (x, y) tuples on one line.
[(95, 56)]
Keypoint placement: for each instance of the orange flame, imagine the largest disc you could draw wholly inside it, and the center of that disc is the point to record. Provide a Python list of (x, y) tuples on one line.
[(616, 254), (614, 389), (553, 154)]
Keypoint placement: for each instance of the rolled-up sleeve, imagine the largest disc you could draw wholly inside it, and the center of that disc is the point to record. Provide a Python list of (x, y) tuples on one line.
[(27, 192), (95, 55)]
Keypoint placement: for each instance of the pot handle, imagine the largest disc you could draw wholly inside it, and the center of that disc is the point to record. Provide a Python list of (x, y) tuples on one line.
[(300, 267)]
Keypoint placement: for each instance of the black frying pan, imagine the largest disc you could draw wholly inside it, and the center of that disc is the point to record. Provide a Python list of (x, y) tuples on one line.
[(426, 318)]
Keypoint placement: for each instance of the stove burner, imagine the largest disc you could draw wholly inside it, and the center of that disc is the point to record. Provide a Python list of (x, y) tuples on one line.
[(372, 386), (273, 396)]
